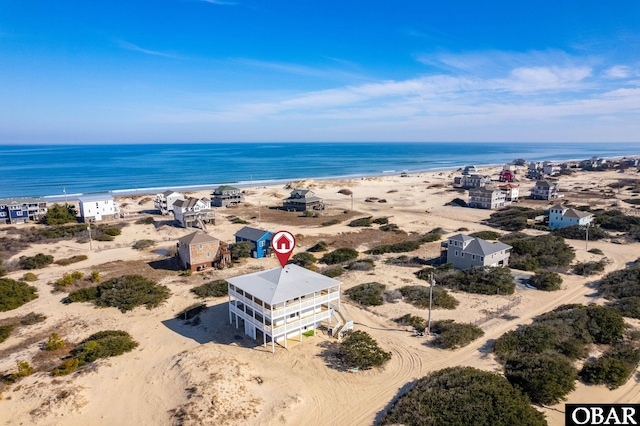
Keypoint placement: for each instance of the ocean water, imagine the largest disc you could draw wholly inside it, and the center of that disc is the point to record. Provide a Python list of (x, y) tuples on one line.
[(51, 170)]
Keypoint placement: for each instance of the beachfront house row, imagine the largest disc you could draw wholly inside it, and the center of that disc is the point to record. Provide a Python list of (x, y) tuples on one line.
[(22, 210), (260, 239), (465, 252), (487, 197), (283, 303), (193, 212), (199, 251), (226, 195), (511, 191), (301, 200), (98, 207), (164, 201), (561, 216), (545, 190), (474, 181)]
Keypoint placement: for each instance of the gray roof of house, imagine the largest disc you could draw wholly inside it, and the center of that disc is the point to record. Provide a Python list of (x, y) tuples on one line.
[(577, 214), (482, 247), (251, 234), (461, 237), (190, 202), (169, 192), (281, 284), (197, 237), (94, 197)]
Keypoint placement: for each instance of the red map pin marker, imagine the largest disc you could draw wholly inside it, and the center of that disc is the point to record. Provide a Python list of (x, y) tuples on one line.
[(283, 243)]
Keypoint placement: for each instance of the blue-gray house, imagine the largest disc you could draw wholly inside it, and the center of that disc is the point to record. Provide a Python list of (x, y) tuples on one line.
[(260, 238), (21, 210)]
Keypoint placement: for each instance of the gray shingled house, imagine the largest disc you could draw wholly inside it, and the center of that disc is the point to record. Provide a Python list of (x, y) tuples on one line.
[(302, 199), (467, 252), (226, 195)]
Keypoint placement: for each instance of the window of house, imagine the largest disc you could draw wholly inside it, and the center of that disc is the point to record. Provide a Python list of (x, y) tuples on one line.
[(200, 246), (208, 254), (473, 257), (462, 254), (481, 259), (261, 243), (456, 252)]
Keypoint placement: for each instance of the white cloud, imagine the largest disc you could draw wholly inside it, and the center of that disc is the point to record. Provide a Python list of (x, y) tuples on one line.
[(130, 46), (618, 71)]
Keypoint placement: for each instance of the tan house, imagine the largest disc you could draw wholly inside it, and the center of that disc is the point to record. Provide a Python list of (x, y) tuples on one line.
[(511, 190), (545, 190), (200, 251), (302, 199)]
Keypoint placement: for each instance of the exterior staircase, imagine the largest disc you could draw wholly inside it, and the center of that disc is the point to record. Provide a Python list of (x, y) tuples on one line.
[(343, 325)]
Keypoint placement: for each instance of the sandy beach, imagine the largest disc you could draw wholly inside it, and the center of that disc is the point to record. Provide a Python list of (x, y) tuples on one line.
[(208, 374)]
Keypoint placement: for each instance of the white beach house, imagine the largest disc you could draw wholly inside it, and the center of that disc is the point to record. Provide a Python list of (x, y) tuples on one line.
[(283, 303), (561, 216), (98, 207)]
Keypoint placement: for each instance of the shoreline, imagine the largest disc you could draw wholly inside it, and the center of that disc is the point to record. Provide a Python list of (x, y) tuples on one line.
[(271, 182)]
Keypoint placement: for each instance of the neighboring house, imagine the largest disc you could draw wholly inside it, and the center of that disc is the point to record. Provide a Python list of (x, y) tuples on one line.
[(469, 170), (545, 190), (193, 212), (474, 181), (98, 207), (199, 251), (507, 175), (260, 239), (468, 252), (21, 210), (225, 196), (561, 216), (302, 199), (550, 169), (511, 191), (486, 197), (283, 303), (164, 201)]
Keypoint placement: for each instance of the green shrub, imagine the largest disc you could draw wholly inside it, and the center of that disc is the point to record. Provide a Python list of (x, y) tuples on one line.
[(14, 294), (145, 221), (391, 227), (59, 215), (308, 213), (543, 251), (545, 378), (359, 350), (5, 331), (124, 293), (401, 247), (103, 237), (54, 342), (380, 221), (143, 244), (418, 295), (24, 369), (35, 262), (577, 232), (339, 255), (416, 322), (363, 221), (70, 260), (368, 294), (613, 368), (239, 221), (320, 246), (596, 251), (67, 366), (546, 281), (103, 344), (486, 235), (333, 272), (30, 277), (241, 250), (361, 265), (217, 288), (331, 222), (621, 284), (32, 318), (95, 276), (480, 280), (305, 260), (463, 396), (113, 232), (590, 267), (512, 218), (452, 335)]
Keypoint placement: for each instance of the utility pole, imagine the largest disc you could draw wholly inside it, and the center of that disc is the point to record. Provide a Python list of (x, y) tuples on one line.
[(433, 282), (586, 239), (90, 241), (352, 201)]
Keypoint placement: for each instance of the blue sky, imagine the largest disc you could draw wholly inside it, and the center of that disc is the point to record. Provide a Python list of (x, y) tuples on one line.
[(243, 71)]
